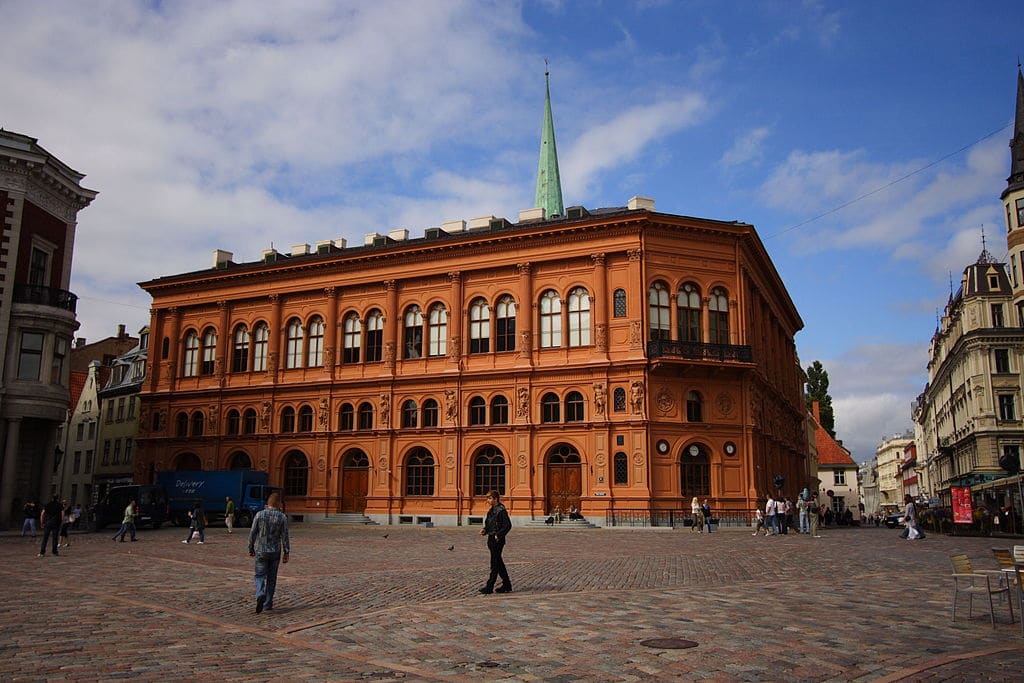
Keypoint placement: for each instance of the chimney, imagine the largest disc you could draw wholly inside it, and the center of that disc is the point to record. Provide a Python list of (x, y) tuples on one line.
[(120, 332), (221, 258), (816, 411), (79, 342), (645, 203)]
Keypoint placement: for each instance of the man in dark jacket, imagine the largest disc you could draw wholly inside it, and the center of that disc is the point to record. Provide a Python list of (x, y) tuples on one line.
[(50, 520), (496, 527)]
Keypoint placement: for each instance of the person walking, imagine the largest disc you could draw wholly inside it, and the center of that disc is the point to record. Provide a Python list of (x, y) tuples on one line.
[(229, 514), (812, 512), (698, 516), (269, 544), (127, 524), (911, 532), (759, 522), (496, 526), (802, 516), (49, 520), (705, 512), (769, 515), (30, 513), (198, 524), (67, 517)]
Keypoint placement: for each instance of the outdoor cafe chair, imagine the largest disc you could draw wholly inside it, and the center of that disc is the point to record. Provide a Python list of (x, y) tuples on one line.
[(1005, 560), (967, 580)]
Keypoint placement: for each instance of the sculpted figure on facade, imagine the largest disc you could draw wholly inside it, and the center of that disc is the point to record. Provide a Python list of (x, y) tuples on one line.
[(522, 403), (385, 409), (601, 336), (451, 406), (389, 353), (272, 362), (636, 397), (324, 415), (635, 334), (213, 416), (599, 398), (265, 416), (525, 346), (329, 357)]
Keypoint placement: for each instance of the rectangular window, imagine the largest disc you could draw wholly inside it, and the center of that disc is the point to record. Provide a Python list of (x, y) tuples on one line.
[(120, 409), (1020, 213), (38, 269), (105, 460), (1020, 314), (128, 451), (997, 315), (1013, 269), (117, 452), (374, 345), (88, 461), (840, 477), (77, 462), (80, 434), (92, 431), (60, 352), (1002, 360), (109, 404), (131, 407), (30, 358), (1007, 413)]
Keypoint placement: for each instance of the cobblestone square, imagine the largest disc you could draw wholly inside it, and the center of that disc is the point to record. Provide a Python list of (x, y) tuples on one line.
[(401, 603)]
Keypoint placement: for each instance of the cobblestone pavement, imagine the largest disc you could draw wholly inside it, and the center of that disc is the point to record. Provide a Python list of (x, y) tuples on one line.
[(401, 603)]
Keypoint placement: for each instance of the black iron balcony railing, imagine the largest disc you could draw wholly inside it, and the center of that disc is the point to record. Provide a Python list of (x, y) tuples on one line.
[(45, 296), (699, 351)]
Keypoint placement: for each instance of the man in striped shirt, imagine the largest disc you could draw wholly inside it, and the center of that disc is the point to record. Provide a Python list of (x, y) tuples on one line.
[(268, 543)]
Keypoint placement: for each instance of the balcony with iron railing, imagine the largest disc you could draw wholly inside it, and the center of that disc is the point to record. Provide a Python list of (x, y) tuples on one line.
[(45, 296), (699, 351)]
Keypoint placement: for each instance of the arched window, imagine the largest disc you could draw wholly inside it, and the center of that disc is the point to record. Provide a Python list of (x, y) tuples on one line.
[(293, 350), (374, 337), (419, 473), (165, 348), (619, 303), (550, 408), (695, 473), (412, 333), (346, 418), (505, 324), (410, 413), (306, 418), (240, 350), (550, 320), (261, 334), (579, 317), (365, 416), (438, 330), (574, 407), (296, 474), (190, 367), (239, 460), (657, 298), (353, 340), (187, 462), (288, 420), (315, 354), (688, 313), (430, 413), (355, 459), (619, 400), (477, 411), (249, 421), (621, 468), (564, 454), (233, 422), (181, 424), (209, 352), (488, 471), (694, 407), (479, 326), (198, 420), (718, 317), (499, 410)]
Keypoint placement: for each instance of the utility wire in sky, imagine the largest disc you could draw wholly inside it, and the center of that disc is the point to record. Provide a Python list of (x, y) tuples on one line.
[(887, 185)]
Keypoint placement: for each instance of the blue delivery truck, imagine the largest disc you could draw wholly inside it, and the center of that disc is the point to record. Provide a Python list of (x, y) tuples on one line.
[(248, 489)]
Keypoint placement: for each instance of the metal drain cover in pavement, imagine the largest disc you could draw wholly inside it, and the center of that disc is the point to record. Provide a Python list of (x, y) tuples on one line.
[(668, 643)]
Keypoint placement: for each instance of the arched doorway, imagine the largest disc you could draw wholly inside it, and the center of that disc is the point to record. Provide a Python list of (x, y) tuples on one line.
[(694, 472), (564, 476), (187, 461), (355, 479)]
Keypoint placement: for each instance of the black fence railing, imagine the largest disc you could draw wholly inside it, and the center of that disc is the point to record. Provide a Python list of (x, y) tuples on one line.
[(699, 351), (45, 296), (640, 517)]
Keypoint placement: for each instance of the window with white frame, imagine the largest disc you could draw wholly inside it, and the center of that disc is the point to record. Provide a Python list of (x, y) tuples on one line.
[(660, 323), (293, 350), (412, 338), (240, 350), (718, 316), (260, 337), (579, 317), (688, 313), (352, 340), (438, 330), (550, 320), (209, 351), (374, 337), (479, 326), (505, 324), (839, 477), (315, 355)]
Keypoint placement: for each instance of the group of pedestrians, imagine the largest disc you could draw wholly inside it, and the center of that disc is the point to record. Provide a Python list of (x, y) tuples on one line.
[(701, 516), (779, 516)]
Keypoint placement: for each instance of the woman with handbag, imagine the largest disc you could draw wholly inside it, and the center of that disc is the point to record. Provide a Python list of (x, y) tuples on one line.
[(912, 532)]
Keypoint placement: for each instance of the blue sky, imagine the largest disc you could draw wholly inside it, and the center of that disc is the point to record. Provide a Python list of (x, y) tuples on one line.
[(235, 125)]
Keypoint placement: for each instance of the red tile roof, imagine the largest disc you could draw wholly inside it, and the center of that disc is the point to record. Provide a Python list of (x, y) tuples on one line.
[(78, 380), (830, 452)]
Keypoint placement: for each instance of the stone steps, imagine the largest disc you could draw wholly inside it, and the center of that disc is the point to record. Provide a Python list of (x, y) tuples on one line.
[(341, 519), (564, 524)]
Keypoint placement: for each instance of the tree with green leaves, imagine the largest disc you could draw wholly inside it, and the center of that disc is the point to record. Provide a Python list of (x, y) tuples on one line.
[(817, 390)]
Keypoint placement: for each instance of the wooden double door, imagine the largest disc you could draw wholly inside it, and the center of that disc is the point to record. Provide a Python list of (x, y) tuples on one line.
[(355, 481), (564, 479)]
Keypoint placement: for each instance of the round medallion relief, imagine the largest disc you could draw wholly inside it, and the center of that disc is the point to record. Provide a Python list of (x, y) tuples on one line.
[(601, 459), (521, 460), (321, 464), (725, 404)]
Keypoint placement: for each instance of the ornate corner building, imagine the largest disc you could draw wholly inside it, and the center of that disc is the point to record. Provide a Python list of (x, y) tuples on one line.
[(618, 360), (40, 198)]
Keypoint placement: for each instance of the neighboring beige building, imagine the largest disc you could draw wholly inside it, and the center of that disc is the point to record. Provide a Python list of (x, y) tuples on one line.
[(970, 410), (74, 479), (889, 458), (119, 422), (839, 487)]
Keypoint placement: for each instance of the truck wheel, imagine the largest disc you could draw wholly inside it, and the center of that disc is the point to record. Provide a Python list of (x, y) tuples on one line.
[(244, 519)]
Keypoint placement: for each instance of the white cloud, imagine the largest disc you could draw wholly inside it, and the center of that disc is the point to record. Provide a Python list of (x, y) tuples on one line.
[(624, 138), (748, 148)]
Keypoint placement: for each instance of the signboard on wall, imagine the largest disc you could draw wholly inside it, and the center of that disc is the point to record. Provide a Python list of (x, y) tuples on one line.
[(963, 512)]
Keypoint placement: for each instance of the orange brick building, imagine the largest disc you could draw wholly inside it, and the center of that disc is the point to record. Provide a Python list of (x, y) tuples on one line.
[(621, 360)]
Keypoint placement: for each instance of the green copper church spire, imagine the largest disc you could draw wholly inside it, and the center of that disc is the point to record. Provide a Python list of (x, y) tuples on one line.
[(549, 184)]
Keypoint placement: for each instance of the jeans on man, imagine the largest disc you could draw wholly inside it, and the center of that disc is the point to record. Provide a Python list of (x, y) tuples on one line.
[(50, 528), (496, 544), (126, 528), (805, 522), (29, 525), (266, 577)]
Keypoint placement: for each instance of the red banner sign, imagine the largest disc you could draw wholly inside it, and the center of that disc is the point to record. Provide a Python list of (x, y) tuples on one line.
[(963, 512)]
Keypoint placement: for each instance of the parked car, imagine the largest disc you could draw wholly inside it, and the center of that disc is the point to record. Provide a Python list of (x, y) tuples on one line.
[(894, 520)]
